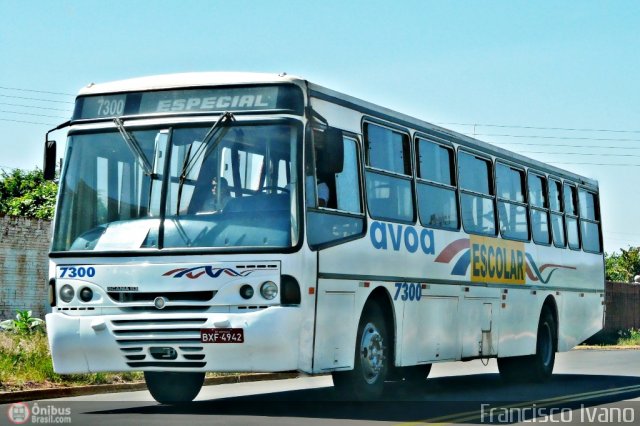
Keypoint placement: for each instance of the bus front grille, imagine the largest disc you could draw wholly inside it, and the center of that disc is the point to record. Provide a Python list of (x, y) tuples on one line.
[(175, 296), (168, 342)]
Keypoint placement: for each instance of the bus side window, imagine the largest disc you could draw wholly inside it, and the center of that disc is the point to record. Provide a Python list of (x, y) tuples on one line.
[(436, 187), (512, 208), (555, 205), (570, 195), (539, 213), (590, 221), (476, 194), (341, 218), (388, 174)]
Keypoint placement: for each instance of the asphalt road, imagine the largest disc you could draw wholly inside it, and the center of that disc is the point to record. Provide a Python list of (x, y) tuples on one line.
[(587, 387)]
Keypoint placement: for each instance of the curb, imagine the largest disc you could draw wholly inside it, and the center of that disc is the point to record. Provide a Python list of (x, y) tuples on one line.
[(607, 348), (30, 395)]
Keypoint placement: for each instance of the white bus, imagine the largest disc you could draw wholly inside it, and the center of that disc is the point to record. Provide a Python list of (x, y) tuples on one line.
[(256, 222)]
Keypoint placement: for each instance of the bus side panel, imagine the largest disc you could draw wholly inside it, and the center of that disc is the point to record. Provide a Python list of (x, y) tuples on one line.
[(479, 328), (303, 266), (336, 325), (520, 307), (425, 330), (578, 282), (580, 317), (430, 330), (519, 314)]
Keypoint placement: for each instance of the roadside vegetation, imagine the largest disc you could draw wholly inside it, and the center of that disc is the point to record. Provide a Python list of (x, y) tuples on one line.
[(623, 266), (622, 338), (26, 194), (629, 337), (25, 360)]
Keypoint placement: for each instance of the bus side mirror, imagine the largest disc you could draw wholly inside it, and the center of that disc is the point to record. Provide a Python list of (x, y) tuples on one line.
[(330, 151), (49, 169)]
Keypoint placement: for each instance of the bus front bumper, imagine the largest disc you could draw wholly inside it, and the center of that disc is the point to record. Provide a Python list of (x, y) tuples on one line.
[(172, 342)]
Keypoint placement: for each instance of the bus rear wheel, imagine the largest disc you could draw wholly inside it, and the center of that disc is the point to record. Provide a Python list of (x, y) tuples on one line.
[(537, 367), (366, 380), (173, 388)]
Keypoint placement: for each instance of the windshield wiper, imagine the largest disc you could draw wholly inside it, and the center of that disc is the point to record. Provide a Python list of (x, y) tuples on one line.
[(134, 146), (206, 147), (203, 148)]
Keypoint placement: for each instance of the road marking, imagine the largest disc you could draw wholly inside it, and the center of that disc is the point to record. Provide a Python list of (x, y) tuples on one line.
[(472, 415)]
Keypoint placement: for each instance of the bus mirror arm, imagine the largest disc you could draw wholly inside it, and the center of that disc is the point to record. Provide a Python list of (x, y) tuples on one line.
[(49, 161), (317, 120)]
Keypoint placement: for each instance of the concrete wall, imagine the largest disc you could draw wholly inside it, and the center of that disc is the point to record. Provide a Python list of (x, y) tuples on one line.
[(24, 248)]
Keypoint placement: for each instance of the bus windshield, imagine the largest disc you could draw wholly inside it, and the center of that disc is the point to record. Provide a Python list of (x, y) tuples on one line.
[(180, 189)]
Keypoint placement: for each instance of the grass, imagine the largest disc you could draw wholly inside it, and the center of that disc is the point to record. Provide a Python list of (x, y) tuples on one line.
[(25, 363), (628, 337)]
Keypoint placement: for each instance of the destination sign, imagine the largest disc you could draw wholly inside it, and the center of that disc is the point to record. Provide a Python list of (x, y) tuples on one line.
[(253, 98)]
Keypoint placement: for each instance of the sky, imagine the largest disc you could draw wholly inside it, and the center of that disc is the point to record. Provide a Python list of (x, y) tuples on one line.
[(554, 80)]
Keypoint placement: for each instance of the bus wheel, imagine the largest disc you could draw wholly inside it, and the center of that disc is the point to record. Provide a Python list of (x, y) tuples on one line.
[(545, 357), (537, 367), (414, 375), (173, 388), (366, 380)]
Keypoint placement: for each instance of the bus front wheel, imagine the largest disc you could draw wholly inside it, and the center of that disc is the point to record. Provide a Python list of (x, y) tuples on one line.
[(366, 380), (173, 388), (537, 367)]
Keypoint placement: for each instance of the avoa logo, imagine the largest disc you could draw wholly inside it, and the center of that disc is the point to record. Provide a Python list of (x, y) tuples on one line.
[(385, 236)]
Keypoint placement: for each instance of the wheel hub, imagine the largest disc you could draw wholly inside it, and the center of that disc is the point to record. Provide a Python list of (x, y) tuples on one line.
[(371, 353)]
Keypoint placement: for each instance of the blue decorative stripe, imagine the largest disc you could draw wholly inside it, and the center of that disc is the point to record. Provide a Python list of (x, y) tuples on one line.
[(462, 264), (549, 276)]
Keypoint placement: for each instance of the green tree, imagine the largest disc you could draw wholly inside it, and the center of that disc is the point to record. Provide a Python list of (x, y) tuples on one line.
[(624, 266), (27, 194)]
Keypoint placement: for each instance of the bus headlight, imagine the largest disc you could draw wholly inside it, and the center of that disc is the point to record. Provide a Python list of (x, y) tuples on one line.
[(269, 290), (246, 291), (66, 293), (86, 294)]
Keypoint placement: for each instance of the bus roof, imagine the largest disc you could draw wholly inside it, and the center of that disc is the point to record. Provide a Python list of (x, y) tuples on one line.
[(182, 80), (200, 79)]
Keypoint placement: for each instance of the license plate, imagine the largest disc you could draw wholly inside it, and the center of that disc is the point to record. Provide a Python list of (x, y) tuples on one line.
[(222, 335)]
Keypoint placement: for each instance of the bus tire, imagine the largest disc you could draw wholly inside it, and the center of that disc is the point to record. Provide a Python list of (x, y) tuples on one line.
[(546, 346), (173, 388), (414, 375), (537, 367), (366, 380)]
